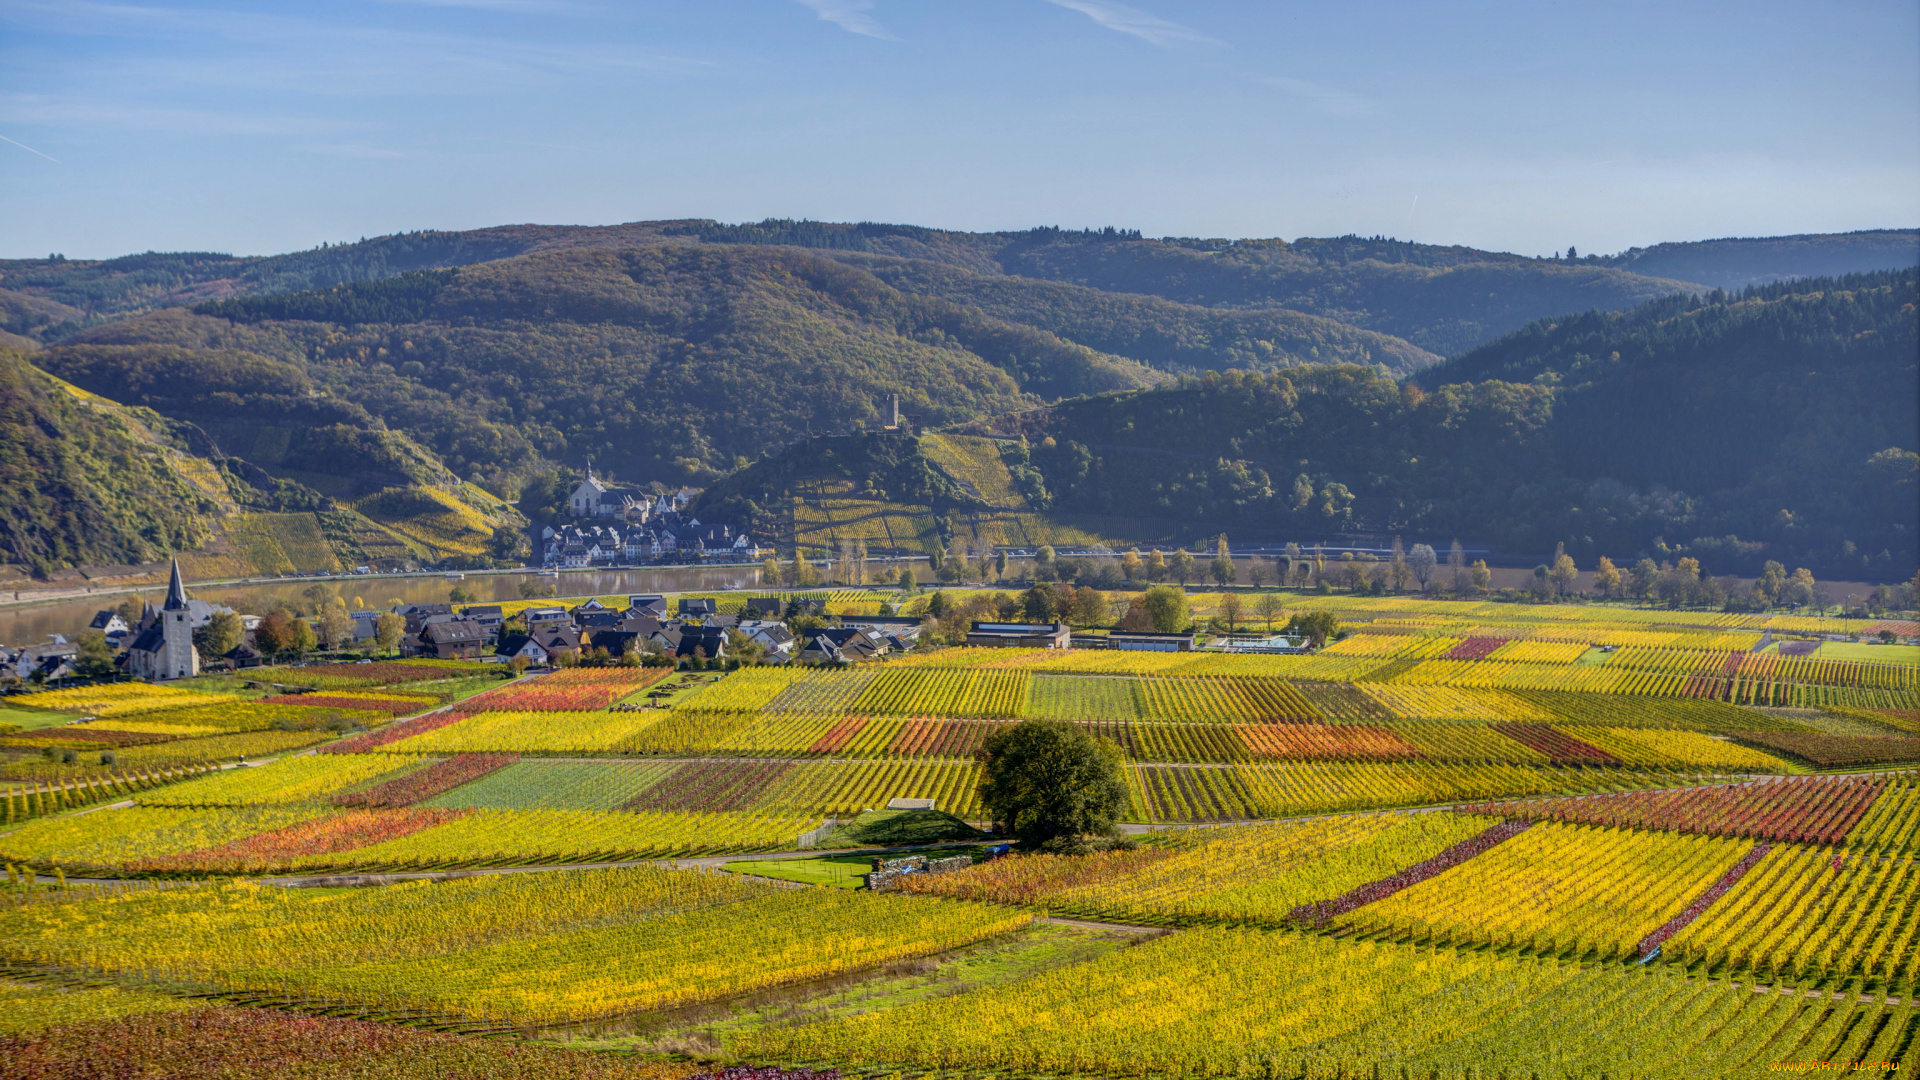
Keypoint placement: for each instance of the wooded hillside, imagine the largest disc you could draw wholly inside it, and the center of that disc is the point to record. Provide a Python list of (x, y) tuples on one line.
[(1773, 424)]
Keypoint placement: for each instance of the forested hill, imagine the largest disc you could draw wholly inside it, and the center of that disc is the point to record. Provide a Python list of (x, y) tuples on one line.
[(1790, 407), (84, 481), (1736, 263), (671, 361), (1442, 299), (1829, 322), (1779, 423), (1171, 336)]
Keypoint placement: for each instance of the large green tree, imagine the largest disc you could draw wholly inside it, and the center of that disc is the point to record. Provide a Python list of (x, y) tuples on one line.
[(1049, 781), (1168, 608)]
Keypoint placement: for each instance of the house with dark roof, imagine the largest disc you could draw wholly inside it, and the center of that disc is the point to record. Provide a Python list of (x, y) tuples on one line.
[(556, 639), (452, 639), (418, 614), (243, 656), (605, 619), (764, 607), (707, 642), (697, 607), (772, 636), (517, 645), (111, 624), (617, 642), (52, 660), (905, 627), (836, 643)]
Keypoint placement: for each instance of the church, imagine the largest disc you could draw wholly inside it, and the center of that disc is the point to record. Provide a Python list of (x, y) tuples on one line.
[(164, 650)]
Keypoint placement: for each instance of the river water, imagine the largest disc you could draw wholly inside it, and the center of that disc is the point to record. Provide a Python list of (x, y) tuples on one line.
[(31, 625)]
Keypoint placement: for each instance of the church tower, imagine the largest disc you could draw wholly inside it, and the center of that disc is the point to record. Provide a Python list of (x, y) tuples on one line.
[(178, 659), (164, 649)]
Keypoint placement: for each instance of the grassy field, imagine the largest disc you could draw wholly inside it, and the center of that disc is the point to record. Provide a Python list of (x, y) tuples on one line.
[(32, 719), (1860, 650), (835, 871)]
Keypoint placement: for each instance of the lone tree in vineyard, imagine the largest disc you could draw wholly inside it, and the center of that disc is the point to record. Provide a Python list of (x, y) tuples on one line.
[(1049, 783)]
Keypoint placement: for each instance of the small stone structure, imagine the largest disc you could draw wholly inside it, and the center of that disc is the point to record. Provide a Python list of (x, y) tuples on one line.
[(888, 872)]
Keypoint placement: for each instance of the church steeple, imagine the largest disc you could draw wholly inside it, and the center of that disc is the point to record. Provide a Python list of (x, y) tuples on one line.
[(176, 591)]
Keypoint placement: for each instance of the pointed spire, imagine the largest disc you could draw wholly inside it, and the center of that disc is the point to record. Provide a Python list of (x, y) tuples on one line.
[(176, 590)]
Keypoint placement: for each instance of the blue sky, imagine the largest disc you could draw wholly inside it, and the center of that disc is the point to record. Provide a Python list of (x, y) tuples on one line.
[(1524, 126)]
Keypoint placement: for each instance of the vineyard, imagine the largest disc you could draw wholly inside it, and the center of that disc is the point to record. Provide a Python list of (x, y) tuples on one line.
[(1260, 874), (290, 780), (1297, 1005), (1558, 890), (1511, 839), (1806, 811), (1812, 916), (483, 948)]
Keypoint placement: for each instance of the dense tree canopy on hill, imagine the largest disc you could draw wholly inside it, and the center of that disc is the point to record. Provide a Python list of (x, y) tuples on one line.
[(1783, 416), (1664, 417), (1183, 338), (672, 360), (1444, 298), (84, 483), (1441, 305), (1739, 262)]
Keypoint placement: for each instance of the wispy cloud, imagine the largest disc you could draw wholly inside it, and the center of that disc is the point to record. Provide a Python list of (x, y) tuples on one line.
[(517, 7), (29, 149), (35, 109), (849, 15), (1337, 102), (1151, 29), (353, 150), (342, 59)]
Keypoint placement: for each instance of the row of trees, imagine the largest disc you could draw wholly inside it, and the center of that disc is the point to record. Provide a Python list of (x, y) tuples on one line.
[(1160, 609)]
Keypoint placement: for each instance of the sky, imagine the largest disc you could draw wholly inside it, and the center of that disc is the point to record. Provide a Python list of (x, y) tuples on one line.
[(257, 128)]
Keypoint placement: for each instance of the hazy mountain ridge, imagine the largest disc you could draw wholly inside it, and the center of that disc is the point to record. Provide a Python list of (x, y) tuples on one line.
[(1737, 262), (1334, 276)]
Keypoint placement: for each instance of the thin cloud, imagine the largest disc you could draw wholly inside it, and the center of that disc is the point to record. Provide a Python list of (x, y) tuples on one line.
[(1337, 102), (1123, 19), (353, 150), (30, 149), (517, 7), (848, 15), (25, 109), (344, 59)]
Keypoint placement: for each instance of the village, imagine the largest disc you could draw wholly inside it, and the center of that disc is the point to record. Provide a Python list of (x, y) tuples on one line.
[(622, 528), (184, 637)]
